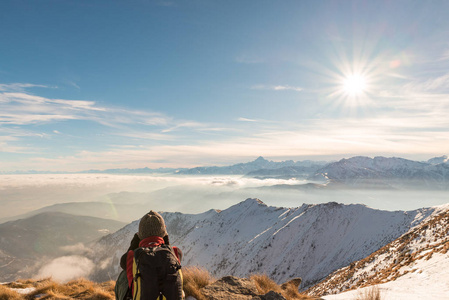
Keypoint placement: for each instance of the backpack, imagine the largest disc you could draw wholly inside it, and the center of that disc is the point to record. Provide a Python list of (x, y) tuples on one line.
[(122, 290), (156, 274)]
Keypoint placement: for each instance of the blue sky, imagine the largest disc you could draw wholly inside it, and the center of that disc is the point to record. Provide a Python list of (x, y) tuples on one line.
[(115, 84)]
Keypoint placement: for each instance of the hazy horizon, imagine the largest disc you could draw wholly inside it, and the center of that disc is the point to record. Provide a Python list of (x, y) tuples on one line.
[(327, 159), (23, 194)]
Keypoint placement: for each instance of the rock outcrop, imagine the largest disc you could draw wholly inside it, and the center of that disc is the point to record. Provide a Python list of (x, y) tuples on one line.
[(231, 287)]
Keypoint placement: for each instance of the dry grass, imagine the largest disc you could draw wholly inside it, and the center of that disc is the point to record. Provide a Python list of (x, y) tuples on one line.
[(22, 284), (48, 289), (194, 279), (372, 293), (264, 284), (8, 294), (76, 289)]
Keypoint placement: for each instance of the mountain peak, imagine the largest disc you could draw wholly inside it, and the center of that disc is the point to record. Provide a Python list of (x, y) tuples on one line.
[(260, 159), (438, 160), (251, 202)]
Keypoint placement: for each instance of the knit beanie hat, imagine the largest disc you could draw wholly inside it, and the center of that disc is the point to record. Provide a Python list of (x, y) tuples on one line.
[(152, 224)]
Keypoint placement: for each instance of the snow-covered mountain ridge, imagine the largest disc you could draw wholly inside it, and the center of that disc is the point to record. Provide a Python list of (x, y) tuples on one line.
[(253, 166), (310, 241), (439, 160), (386, 172), (417, 260)]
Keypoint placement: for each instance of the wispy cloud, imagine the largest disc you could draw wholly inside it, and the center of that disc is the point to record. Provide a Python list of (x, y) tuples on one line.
[(21, 108), (73, 84), (6, 145), (277, 88), (390, 134), (11, 140), (21, 111), (432, 84), (246, 120), (445, 55), (184, 125), (145, 135), (5, 87)]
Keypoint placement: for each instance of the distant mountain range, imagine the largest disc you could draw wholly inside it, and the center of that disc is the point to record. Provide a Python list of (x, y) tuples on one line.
[(264, 168), (382, 172), (359, 172), (134, 171), (259, 165)]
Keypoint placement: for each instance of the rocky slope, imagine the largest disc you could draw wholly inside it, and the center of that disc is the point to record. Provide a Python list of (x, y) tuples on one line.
[(417, 261)]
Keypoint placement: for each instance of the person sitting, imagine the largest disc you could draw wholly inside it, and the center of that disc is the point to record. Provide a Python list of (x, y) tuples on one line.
[(151, 267)]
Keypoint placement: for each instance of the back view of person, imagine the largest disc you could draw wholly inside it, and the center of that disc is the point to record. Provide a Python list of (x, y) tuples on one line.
[(152, 268)]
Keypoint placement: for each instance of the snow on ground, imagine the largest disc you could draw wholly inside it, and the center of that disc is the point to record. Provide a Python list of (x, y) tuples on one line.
[(25, 291), (429, 281)]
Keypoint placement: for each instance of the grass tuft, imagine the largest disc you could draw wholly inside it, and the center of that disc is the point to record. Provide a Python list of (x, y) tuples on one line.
[(7, 294), (76, 289), (194, 279), (372, 293), (264, 284)]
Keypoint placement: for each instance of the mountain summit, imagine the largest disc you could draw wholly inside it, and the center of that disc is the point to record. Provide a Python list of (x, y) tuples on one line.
[(439, 160), (260, 159), (309, 241)]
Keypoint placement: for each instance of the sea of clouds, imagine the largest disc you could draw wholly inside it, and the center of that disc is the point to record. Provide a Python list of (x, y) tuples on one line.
[(21, 194)]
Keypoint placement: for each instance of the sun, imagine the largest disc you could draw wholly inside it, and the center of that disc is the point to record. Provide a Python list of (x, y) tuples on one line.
[(354, 85)]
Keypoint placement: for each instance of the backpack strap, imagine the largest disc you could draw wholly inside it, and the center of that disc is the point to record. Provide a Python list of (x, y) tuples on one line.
[(136, 271), (129, 267)]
